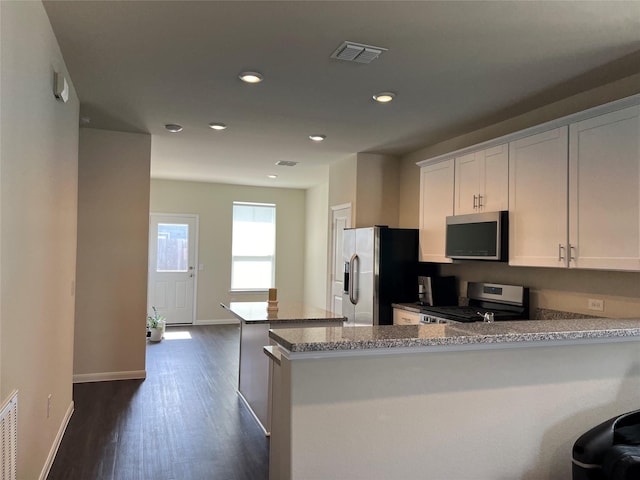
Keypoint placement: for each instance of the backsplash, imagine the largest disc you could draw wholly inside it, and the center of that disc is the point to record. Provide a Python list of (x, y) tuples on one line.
[(577, 303), (546, 314), (558, 293), (537, 313)]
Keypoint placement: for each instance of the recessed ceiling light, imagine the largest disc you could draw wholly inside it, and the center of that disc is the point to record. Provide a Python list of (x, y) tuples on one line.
[(272, 176), (251, 77), (173, 128), (217, 126), (384, 97), (317, 138)]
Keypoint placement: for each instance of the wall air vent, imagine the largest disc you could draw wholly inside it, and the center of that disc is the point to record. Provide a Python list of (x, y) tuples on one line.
[(357, 52), (286, 163)]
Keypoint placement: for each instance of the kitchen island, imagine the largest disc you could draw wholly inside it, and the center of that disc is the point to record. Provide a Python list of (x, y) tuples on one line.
[(502, 400), (255, 322)]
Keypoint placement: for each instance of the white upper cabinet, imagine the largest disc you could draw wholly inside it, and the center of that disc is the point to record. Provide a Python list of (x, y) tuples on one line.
[(571, 185), (574, 195), (482, 181), (436, 203), (604, 191), (538, 199), (467, 184)]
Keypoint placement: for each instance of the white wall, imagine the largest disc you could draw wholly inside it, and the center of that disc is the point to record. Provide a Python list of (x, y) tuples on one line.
[(213, 203), (370, 183), (342, 182), (39, 158), (113, 226), (487, 414), (377, 188), (316, 244)]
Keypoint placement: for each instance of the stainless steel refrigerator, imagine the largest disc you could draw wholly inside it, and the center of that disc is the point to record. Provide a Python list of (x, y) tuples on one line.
[(380, 268)]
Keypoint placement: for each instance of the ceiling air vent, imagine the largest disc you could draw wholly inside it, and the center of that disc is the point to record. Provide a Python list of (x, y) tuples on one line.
[(286, 163), (357, 52)]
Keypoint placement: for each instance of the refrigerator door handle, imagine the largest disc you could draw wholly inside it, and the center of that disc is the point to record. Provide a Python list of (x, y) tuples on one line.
[(353, 287), (345, 280)]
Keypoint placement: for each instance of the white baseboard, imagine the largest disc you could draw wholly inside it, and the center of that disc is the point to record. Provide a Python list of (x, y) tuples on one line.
[(224, 321), (109, 376), (56, 443), (253, 414)]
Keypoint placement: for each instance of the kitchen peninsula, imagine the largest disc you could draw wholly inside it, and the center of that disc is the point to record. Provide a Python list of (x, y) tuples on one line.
[(255, 322), (465, 401)]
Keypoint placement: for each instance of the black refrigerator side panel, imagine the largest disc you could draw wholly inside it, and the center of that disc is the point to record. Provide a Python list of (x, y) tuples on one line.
[(397, 279)]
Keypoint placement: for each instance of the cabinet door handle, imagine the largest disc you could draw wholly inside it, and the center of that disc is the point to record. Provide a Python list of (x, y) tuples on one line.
[(572, 250), (480, 201), (475, 202), (560, 249)]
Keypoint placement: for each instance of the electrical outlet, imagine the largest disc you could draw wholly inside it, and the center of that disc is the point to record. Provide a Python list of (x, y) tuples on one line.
[(596, 304), (49, 405)]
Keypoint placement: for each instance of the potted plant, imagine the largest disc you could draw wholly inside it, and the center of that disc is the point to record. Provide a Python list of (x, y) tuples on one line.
[(156, 325)]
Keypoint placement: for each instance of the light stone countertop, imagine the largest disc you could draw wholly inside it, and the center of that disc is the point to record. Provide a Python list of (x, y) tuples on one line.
[(410, 307), (326, 339), (256, 312), (537, 314)]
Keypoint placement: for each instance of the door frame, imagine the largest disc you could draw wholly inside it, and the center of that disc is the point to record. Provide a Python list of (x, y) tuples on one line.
[(196, 265), (332, 251)]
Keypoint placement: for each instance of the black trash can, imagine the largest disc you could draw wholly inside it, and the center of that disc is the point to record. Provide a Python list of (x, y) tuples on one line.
[(609, 451)]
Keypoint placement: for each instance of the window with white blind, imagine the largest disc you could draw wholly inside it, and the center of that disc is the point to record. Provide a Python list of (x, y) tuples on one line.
[(253, 250)]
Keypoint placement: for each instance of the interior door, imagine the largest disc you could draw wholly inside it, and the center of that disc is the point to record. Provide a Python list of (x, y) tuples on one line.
[(172, 272), (340, 219)]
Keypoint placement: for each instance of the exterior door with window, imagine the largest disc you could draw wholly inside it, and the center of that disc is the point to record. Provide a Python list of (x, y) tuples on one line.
[(172, 272)]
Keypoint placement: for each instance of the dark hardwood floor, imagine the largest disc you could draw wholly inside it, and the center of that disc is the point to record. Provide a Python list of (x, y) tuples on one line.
[(184, 422)]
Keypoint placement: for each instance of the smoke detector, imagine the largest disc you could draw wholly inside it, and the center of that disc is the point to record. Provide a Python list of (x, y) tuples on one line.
[(286, 163), (357, 52)]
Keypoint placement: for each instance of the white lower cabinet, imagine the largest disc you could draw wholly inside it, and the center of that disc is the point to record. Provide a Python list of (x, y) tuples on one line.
[(405, 317), (436, 203)]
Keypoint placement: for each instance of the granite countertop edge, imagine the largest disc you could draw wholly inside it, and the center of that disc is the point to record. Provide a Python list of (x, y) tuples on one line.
[(291, 320), (259, 314), (410, 307), (456, 336)]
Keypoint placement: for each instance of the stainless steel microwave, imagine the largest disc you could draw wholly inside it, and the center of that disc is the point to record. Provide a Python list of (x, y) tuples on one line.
[(478, 236)]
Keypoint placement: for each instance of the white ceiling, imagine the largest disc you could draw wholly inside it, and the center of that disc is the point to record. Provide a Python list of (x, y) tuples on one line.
[(455, 66)]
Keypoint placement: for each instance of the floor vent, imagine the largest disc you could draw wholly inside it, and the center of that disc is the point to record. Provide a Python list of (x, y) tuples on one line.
[(357, 52), (9, 438)]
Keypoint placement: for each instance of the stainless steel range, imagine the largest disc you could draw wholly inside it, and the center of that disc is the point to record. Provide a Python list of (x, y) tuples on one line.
[(487, 302)]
